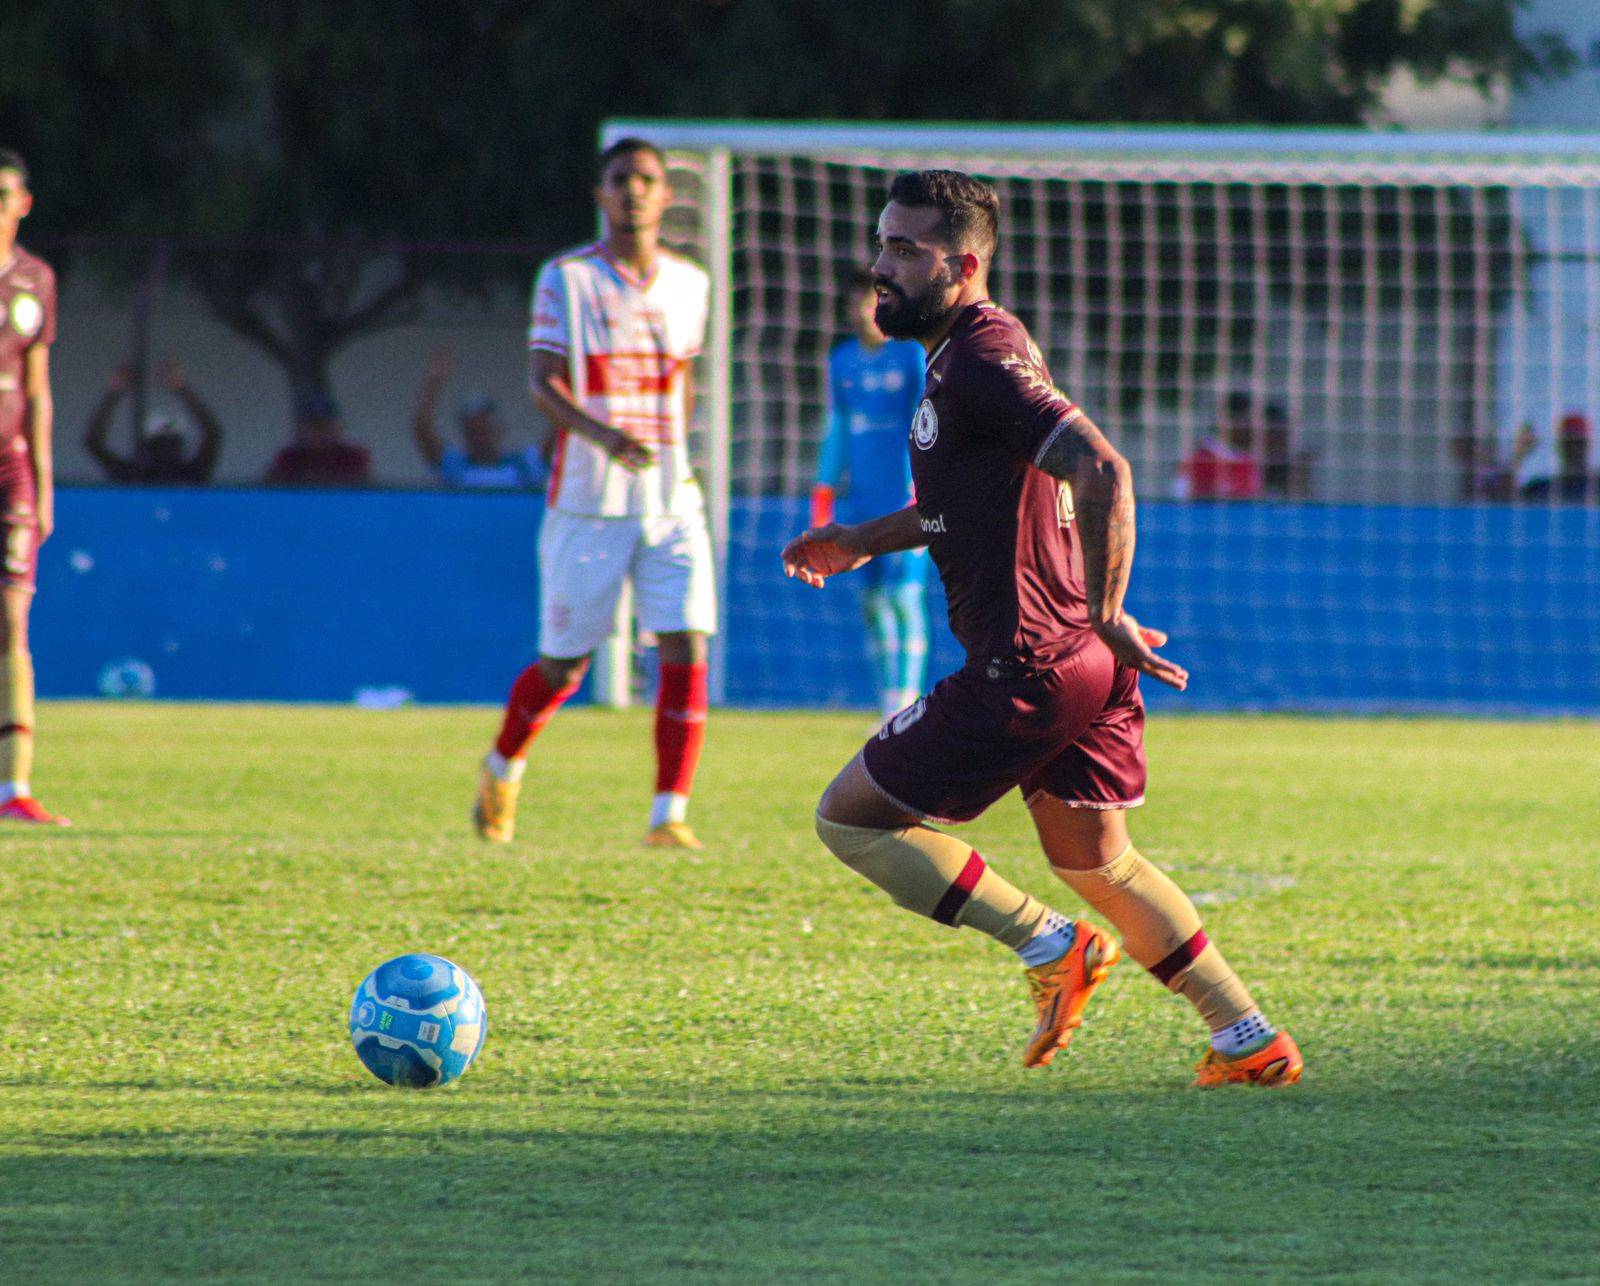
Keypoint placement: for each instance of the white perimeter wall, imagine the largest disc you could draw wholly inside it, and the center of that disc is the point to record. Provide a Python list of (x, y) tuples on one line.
[(375, 378)]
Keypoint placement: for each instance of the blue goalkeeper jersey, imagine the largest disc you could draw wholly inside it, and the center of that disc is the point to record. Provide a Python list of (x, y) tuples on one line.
[(872, 399)]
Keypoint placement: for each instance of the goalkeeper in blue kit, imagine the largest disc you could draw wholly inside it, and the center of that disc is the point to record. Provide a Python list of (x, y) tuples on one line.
[(874, 386)]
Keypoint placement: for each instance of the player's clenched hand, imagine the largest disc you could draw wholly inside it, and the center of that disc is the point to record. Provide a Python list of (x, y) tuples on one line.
[(631, 455), (1135, 646), (820, 552)]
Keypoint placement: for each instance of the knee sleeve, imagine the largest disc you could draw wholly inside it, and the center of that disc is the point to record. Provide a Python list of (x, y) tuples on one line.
[(915, 876), (16, 716), (1154, 916), (937, 876), (1161, 930)]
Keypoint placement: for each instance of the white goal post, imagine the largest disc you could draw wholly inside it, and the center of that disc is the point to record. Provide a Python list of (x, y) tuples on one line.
[(1402, 319)]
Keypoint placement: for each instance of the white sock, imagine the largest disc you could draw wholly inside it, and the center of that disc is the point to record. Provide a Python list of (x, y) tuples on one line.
[(1248, 1033), (1054, 940), (668, 807), (503, 768), (10, 790)]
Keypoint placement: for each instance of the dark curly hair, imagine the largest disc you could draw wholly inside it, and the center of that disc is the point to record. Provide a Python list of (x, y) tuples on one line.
[(969, 207)]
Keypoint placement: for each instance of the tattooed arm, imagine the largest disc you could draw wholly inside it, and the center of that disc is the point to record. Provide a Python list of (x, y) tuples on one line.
[(1078, 454)]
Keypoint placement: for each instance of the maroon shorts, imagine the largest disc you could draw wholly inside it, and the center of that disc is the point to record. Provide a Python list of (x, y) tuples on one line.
[(1075, 732), (19, 525)]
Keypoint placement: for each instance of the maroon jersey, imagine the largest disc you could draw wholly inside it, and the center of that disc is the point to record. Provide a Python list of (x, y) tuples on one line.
[(329, 464), (999, 529), (27, 319)]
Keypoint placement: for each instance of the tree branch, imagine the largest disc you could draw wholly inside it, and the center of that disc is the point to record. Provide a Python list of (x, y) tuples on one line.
[(374, 312), (229, 301)]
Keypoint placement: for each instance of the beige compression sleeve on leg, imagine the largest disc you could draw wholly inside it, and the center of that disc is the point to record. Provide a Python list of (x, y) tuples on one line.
[(938, 876), (16, 717), (1161, 930)]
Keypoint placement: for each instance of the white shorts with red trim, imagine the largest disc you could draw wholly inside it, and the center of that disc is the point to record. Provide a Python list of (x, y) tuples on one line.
[(585, 561)]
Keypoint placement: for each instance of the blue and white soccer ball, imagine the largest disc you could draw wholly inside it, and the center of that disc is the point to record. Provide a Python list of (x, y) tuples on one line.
[(418, 1021)]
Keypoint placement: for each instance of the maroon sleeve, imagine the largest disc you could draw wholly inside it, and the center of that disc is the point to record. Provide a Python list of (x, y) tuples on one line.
[(1009, 391), (47, 303)]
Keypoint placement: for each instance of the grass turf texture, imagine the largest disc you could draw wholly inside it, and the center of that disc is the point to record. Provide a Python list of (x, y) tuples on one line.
[(745, 1064)]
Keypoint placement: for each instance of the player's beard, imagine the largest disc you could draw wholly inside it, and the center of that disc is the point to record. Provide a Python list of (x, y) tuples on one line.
[(906, 316)]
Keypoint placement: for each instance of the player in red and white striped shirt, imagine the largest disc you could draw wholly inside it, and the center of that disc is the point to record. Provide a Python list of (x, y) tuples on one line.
[(616, 326)]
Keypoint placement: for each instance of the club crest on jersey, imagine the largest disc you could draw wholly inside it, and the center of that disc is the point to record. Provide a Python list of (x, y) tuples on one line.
[(1066, 511), (925, 427), (27, 315)]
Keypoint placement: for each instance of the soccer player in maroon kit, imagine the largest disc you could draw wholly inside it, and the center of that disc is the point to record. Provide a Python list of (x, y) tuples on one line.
[(27, 492), (1028, 514)]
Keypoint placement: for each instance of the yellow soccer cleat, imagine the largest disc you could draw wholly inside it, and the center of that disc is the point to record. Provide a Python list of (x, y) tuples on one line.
[(1062, 988), (671, 835), (495, 812), (1278, 1063)]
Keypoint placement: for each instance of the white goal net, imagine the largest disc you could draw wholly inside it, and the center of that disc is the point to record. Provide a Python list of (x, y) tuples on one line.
[(1357, 376)]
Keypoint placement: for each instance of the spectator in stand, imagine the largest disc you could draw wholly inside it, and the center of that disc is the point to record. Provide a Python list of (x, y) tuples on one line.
[(1224, 466), (1484, 475), (1285, 471), (161, 456), (483, 461), (320, 455), (1575, 482)]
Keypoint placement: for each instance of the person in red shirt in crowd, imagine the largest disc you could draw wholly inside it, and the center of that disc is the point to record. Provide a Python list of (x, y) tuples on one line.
[(1224, 465), (320, 455)]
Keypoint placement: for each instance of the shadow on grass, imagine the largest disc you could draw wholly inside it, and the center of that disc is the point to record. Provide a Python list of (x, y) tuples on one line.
[(1510, 961), (1450, 1172)]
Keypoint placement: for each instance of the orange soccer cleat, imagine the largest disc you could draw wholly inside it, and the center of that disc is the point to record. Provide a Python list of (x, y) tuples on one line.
[(1061, 990), (494, 814), (25, 808), (1276, 1063)]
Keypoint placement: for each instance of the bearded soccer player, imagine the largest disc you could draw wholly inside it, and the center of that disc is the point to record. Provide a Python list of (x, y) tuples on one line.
[(1028, 514), (616, 326), (27, 491)]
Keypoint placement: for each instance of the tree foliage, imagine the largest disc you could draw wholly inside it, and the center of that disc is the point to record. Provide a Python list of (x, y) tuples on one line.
[(290, 125)]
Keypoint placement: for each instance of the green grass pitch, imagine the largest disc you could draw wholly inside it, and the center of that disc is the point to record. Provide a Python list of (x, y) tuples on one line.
[(745, 1064)]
